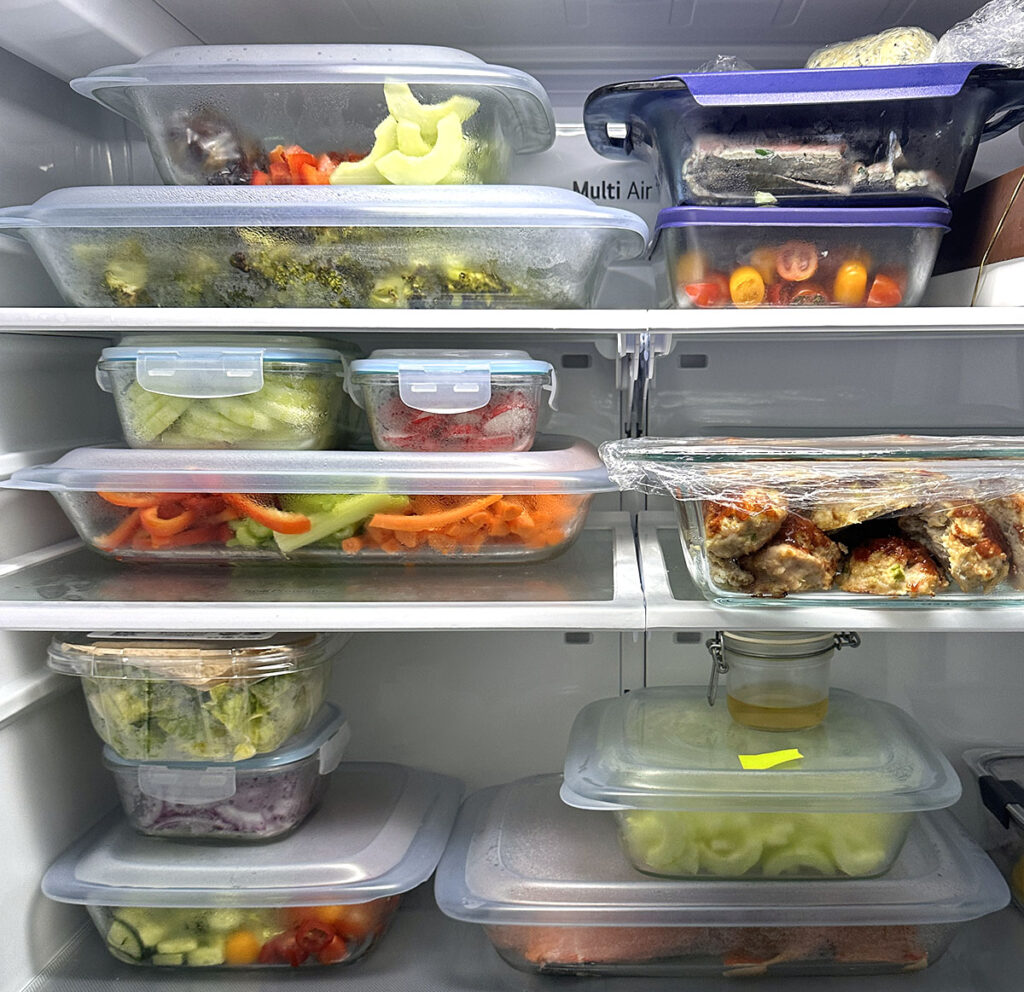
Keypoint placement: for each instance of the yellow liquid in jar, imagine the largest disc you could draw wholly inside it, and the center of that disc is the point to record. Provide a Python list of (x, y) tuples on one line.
[(777, 706)]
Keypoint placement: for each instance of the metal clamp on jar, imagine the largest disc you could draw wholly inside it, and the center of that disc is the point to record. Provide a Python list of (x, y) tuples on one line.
[(775, 680)]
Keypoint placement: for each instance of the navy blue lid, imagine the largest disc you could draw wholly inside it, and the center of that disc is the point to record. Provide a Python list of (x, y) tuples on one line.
[(803, 217)]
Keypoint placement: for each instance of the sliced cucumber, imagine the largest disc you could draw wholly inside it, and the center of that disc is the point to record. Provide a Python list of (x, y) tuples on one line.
[(205, 957), (246, 413), (799, 859), (410, 139), (429, 169), (150, 414), (225, 920), (405, 107), (150, 931), (177, 945), (125, 940), (168, 959), (364, 172)]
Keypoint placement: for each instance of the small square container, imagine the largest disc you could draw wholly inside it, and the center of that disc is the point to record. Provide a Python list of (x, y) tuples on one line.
[(808, 135), (324, 895), (444, 247), (236, 391), (262, 798), (197, 700), (555, 897), (1000, 773), (328, 507), (457, 400), (883, 521), (406, 114), (697, 795), (799, 256)]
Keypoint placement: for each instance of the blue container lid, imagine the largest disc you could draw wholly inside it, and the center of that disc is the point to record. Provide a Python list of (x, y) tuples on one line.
[(802, 217)]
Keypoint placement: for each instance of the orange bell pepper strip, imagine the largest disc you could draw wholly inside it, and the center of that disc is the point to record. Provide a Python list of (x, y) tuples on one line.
[(120, 534), (260, 508), (159, 526), (135, 500), (431, 521), (312, 176), (260, 178)]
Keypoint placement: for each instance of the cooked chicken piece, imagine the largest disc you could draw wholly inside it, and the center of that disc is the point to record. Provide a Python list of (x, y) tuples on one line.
[(877, 502), (727, 574), (891, 566), (966, 542), (744, 524), (800, 558), (1008, 512)]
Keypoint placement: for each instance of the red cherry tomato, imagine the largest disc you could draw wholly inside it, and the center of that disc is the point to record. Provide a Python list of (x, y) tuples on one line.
[(312, 936), (283, 949), (333, 952), (797, 261), (809, 295), (885, 292), (713, 292)]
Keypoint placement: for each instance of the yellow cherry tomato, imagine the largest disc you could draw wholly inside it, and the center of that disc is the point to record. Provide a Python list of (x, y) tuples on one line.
[(851, 284), (746, 287), (691, 267), (242, 948), (764, 259)]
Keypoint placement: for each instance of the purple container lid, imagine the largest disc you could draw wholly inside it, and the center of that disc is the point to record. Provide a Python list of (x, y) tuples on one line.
[(802, 217)]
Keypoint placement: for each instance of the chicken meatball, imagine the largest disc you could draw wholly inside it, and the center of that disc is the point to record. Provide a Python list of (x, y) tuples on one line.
[(1008, 513), (891, 566), (744, 524), (799, 558)]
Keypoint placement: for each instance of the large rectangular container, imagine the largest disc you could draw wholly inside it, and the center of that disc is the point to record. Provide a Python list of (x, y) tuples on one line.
[(442, 247), (555, 897), (330, 507), (808, 135), (697, 795)]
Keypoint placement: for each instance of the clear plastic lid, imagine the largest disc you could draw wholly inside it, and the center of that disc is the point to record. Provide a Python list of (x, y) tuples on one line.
[(379, 831), (478, 207), (527, 109), (197, 662), (518, 855), (394, 360), (1000, 774), (555, 465), (665, 748), (198, 784)]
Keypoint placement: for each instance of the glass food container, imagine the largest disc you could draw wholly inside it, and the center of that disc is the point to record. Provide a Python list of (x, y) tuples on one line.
[(324, 895), (327, 114), (749, 257), (555, 897), (697, 795), (1000, 773), (883, 521), (197, 700), (454, 400), (844, 135), (259, 799), (328, 507), (443, 247), (227, 391), (775, 680)]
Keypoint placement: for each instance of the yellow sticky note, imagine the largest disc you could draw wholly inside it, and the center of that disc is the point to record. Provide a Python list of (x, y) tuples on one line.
[(769, 759)]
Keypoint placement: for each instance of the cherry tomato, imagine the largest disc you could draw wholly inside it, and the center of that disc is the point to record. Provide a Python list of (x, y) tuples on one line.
[(809, 295), (850, 284), (885, 292), (746, 287), (713, 292), (241, 948), (283, 949), (691, 267), (333, 952), (797, 261), (312, 936), (777, 294)]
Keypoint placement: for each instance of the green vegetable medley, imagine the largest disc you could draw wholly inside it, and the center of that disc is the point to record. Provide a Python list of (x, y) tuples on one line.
[(148, 718)]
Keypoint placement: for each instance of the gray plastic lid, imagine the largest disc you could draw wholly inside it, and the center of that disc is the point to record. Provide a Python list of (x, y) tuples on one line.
[(478, 207), (520, 856), (393, 360), (379, 832), (201, 783), (528, 113), (1000, 772), (555, 464), (665, 748)]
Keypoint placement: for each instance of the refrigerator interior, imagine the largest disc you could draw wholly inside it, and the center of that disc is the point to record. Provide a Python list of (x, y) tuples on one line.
[(475, 674)]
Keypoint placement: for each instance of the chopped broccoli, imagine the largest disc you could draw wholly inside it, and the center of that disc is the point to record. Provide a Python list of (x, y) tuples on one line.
[(125, 279)]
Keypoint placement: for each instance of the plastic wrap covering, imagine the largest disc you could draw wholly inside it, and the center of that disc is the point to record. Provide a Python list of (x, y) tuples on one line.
[(725, 63), (995, 33), (897, 46)]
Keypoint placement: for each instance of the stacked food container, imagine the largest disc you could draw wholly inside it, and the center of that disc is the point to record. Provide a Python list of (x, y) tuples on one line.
[(805, 187)]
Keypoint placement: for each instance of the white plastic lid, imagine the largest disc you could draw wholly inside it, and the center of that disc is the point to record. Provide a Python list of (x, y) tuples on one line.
[(448, 381), (520, 856), (379, 832), (528, 115), (554, 465), (665, 748), (479, 207), (197, 661), (197, 784)]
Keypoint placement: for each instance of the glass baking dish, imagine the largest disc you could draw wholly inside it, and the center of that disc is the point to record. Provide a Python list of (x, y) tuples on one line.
[(697, 795), (882, 521), (325, 507), (196, 699), (442, 247), (359, 114), (451, 400), (798, 256), (259, 799), (227, 391), (323, 895), (808, 135), (554, 896)]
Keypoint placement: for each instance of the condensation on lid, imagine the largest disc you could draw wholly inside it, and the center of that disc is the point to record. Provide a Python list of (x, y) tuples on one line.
[(379, 832), (518, 855)]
